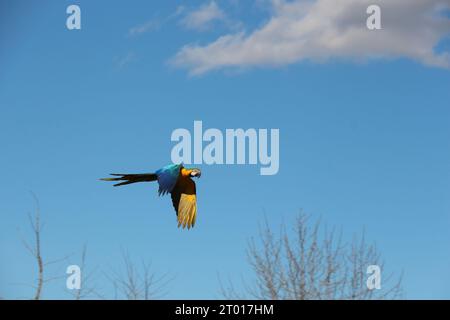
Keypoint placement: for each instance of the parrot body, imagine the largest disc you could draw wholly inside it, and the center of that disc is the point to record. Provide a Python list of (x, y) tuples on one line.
[(173, 179)]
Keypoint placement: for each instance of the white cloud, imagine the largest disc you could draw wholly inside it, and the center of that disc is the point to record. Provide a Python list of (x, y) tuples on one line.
[(155, 23), (201, 18), (145, 27), (320, 30), (122, 61)]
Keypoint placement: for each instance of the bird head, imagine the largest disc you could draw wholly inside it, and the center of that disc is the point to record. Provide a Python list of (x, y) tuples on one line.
[(195, 173)]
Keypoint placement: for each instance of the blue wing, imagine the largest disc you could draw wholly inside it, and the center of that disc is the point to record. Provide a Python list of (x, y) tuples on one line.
[(167, 177)]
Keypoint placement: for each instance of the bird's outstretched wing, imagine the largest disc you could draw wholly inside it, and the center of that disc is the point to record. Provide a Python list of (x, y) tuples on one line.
[(168, 177), (184, 200)]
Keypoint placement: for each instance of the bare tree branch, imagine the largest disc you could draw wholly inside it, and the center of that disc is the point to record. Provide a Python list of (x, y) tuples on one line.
[(138, 283), (35, 223), (310, 262), (35, 249)]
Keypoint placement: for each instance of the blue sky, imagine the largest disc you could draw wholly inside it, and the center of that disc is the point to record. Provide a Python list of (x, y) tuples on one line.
[(364, 141)]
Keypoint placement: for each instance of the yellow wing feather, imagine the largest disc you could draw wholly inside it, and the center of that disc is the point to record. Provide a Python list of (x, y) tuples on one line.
[(187, 210)]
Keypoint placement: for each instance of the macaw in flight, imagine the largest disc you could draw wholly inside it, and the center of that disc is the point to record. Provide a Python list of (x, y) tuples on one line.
[(173, 179)]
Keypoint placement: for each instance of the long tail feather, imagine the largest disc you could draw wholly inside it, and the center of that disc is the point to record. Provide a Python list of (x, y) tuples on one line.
[(131, 178)]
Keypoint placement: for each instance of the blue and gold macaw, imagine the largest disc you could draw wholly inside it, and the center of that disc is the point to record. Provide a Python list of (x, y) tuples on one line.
[(173, 179)]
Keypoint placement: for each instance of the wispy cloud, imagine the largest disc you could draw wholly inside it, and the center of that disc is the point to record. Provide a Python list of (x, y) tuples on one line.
[(150, 25), (203, 17), (155, 23), (122, 61), (320, 30)]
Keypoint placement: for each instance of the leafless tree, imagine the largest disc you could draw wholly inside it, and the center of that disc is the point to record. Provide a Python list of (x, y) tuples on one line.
[(34, 247), (36, 250), (87, 289), (310, 262), (135, 283)]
